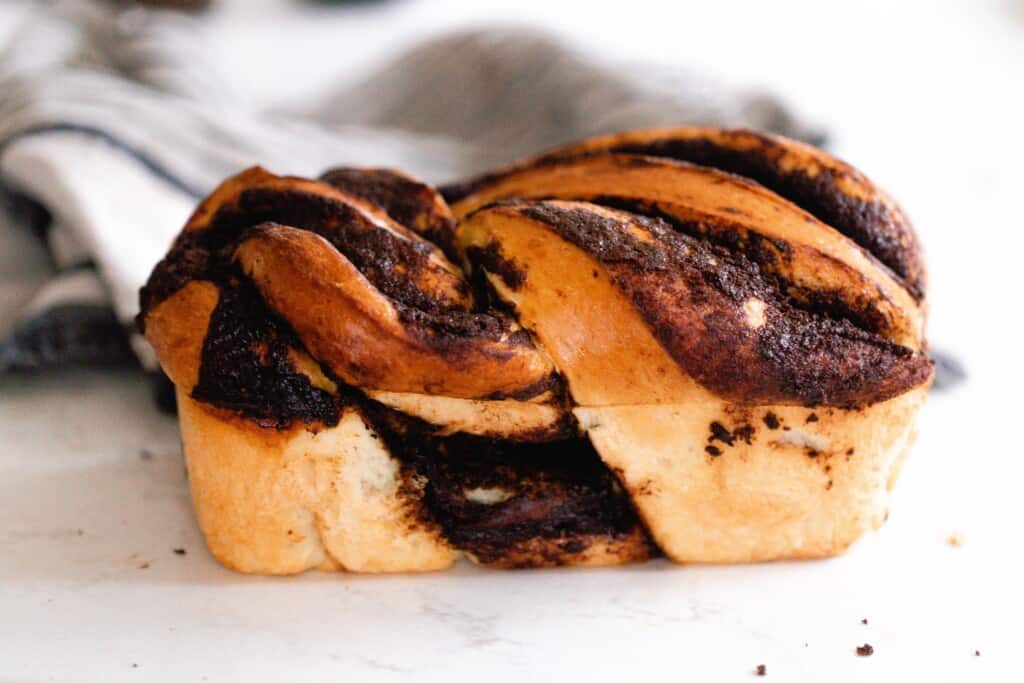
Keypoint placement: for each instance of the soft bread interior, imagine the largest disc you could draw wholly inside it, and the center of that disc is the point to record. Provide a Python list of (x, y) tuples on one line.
[(761, 493), (281, 502), (505, 419)]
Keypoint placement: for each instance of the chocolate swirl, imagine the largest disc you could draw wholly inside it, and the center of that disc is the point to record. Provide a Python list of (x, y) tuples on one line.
[(832, 191)]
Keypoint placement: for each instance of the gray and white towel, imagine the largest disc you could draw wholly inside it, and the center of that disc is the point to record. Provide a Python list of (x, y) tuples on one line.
[(110, 135)]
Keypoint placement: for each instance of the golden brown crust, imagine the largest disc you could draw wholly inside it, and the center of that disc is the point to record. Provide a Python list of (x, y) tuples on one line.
[(676, 309), (803, 250), (176, 329), (406, 200), (563, 297), (394, 257), (832, 191), (644, 355), (347, 324)]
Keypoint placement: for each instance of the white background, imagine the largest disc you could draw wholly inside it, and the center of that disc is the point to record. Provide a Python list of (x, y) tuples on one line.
[(926, 97)]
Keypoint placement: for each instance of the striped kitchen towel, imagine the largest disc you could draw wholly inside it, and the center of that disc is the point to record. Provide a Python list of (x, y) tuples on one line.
[(114, 122)]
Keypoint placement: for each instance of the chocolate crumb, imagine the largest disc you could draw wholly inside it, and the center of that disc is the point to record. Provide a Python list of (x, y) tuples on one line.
[(849, 451), (145, 454), (179, 551), (813, 417), (721, 433), (811, 453), (744, 433), (977, 653), (713, 450), (771, 421), (864, 621), (865, 650), (144, 565), (761, 670)]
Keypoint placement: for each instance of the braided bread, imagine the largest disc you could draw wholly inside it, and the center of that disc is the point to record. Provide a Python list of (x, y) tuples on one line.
[(701, 343)]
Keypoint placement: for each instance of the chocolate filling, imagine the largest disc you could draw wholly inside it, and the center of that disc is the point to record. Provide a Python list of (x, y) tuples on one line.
[(877, 228), (439, 318), (872, 225), (388, 261), (449, 330), (553, 500), (245, 365), (695, 304), (413, 204), (493, 261), (767, 254)]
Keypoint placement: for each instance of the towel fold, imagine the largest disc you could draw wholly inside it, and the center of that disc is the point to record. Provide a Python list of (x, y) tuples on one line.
[(109, 138)]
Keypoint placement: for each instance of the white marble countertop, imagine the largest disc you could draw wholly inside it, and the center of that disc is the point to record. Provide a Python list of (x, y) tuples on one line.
[(94, 501), (927, 97)]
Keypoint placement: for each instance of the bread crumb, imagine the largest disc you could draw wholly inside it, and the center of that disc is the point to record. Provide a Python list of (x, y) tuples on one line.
[(955, 539)]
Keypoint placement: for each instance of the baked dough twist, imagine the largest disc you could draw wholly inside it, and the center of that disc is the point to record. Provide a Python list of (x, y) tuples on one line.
[(698, 342)]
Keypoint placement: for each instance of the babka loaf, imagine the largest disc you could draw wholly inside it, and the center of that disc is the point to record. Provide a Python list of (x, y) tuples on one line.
[(701, 343)]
